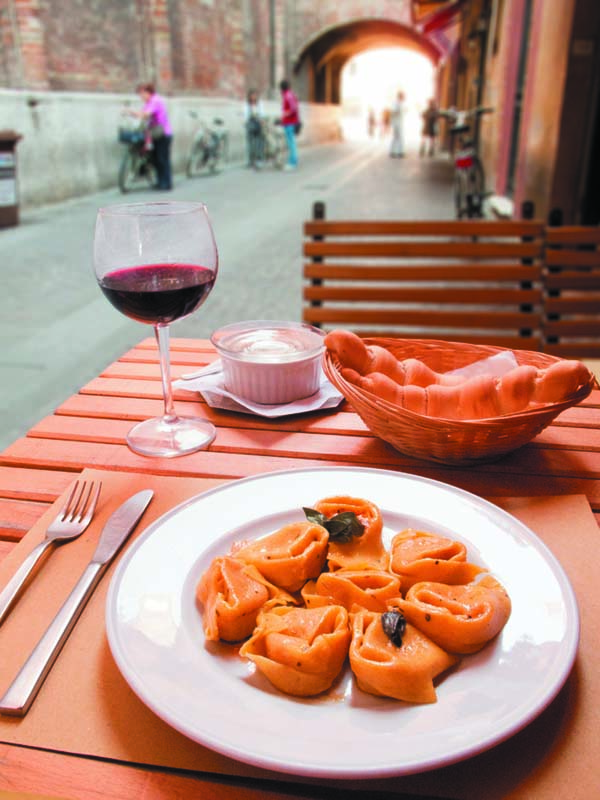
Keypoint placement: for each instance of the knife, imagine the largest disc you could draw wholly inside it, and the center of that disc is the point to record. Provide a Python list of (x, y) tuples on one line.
[(23, 690)]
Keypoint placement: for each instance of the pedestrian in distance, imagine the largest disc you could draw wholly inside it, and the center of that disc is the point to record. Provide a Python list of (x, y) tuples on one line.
[(290, 120), (397, 119), (386, 116), (371, 122), (429, 129), (255, 140), (159, 130)]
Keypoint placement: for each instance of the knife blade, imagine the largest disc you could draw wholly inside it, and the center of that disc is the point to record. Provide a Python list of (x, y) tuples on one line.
[(19, 696)]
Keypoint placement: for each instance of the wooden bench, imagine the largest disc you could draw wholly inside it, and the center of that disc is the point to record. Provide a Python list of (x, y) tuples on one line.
[(473, 281), (571, 276)]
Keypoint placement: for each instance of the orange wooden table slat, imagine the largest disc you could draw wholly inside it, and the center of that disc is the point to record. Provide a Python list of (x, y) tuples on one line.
[(498, 479), (17, 517), (33, 484), (179, 345), (40, 772), (366, 449), (73, 455), (94, 406)]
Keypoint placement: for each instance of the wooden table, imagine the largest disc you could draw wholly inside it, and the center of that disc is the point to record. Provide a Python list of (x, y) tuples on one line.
[(88, 430)]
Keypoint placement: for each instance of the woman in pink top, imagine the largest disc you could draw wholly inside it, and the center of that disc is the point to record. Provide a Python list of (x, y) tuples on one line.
[(154, 111)]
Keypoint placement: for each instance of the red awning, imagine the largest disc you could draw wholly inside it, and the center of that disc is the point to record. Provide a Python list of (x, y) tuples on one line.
[(440, 19)]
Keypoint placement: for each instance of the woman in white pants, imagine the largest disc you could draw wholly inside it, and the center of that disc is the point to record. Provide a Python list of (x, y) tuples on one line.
[(398, 109)]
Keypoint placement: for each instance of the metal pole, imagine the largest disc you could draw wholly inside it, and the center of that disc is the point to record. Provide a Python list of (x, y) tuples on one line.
[(273, 53)]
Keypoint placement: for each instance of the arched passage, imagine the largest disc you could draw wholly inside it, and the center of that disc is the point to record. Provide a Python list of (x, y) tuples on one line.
[(319, 65)]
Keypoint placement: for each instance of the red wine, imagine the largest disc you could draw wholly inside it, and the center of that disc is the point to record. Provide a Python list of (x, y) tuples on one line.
[(158, 293)]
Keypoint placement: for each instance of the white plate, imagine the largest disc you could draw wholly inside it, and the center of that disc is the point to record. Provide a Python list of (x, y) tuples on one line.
[(211, 695)]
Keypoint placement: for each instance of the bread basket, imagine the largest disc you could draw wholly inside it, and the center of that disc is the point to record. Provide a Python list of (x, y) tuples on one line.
[(442, 440)]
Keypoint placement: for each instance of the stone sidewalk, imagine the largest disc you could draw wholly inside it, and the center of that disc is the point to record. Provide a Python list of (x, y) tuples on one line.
[(57, 330)]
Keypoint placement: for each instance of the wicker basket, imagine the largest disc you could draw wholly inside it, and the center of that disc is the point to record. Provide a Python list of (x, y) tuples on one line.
[(442, 440)]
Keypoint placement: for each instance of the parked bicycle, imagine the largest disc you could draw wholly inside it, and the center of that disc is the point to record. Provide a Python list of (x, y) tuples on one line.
[(275, 148), (210, 147), (469, 175), (137, 168)]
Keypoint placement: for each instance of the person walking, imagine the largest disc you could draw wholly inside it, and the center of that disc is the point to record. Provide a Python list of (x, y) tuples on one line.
[(429, 129), (253, 115), (386, 121), (154, 112), (290, 120), (371, 123), (397, 120)]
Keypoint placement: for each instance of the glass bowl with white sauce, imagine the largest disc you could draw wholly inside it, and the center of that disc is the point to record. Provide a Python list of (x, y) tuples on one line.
[(270, 361)]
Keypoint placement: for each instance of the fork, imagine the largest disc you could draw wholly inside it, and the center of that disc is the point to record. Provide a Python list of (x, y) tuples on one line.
[(70, 522)]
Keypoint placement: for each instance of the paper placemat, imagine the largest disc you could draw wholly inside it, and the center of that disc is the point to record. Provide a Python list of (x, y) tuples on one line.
[(85, 706)]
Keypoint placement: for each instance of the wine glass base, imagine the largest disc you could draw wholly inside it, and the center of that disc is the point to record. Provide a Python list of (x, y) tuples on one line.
[(166, 438)]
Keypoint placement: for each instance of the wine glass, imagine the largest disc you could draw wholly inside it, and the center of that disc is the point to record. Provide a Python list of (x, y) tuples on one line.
[(157, 262)]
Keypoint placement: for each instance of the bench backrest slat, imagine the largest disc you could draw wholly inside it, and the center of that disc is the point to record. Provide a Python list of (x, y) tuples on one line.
[(571, 277), (424, 249), (475, 280), (437, 228), (483, 295), (477, 270)]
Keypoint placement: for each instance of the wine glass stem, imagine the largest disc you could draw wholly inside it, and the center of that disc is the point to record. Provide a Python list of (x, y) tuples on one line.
[(162, 337)]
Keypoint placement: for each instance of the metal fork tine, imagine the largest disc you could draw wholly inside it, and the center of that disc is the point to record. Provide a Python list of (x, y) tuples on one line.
[(77, 505), (92, 506), (67, 510), (82, 501)]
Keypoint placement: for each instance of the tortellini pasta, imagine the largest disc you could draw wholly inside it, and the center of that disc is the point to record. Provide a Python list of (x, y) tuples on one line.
[(232, 593), (363, 552), (461, 619), (315, 594), (290, 556), (300, 650), (404, 672), (370, 589), (419, 556)]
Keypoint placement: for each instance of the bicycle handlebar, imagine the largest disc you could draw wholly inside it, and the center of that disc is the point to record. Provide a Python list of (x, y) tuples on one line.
[(471, 112)]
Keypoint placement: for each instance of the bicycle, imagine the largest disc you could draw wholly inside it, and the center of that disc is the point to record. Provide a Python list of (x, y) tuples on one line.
[(469, 175), (274, 147), (137, 166), (209, 148)]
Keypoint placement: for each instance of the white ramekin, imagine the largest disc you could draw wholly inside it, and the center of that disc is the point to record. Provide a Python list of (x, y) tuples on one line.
[(269, 361)]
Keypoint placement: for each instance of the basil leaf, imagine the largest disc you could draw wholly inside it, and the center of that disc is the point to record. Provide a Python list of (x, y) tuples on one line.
[(342, 527), (315, 517)]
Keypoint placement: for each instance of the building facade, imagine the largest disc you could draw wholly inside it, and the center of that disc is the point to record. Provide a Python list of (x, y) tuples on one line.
[(67, 66)]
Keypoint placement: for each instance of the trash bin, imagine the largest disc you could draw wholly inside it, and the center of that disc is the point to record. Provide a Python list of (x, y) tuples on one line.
[(9, 198)]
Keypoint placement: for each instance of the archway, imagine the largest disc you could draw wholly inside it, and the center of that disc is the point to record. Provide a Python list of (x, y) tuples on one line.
[(318, 67)]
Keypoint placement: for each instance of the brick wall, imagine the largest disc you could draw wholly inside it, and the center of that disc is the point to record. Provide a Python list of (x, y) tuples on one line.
[(309, 18), (211, 47), (201, 46)]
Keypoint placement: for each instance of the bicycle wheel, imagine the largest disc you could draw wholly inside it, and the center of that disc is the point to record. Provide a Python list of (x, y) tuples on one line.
[(279, 151), (196, 160), (225, 146), (127, 172), (146, 171), (215, 162), (475, 189), (460, 192)]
